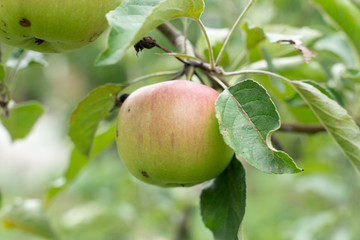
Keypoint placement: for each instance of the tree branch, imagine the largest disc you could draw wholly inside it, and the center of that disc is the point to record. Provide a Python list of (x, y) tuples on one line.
[(302, 128), (214, 75), (177, 39), (185, 46)]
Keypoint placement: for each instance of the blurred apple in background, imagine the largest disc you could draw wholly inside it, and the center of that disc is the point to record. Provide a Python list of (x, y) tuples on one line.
[(53, 26)]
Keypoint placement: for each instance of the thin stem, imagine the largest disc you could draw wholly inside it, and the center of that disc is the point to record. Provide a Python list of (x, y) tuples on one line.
[(211, 54), (159, 74), (237, 73), (177, 39), (168, 51), (218, 81), (179, 73), (236, 24), (11, 78), (190, 73), (199, 77)]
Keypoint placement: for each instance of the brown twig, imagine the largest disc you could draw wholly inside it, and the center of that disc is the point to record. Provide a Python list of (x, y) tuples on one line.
[(4, 99), (302, 128), (149, 42), (177, 39), (185, 46), (182, 231)]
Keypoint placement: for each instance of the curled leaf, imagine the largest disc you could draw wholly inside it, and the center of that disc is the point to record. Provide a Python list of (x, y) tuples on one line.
[(305, 51), (247, 118)]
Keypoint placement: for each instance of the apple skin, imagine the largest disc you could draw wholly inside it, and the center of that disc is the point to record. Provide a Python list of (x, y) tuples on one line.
[(168, 135), (53, 25)]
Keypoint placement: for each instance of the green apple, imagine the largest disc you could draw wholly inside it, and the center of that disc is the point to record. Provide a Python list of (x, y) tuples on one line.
[(53, 25), (168, 135)]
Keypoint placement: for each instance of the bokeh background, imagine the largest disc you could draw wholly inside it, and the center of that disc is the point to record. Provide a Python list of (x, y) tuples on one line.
[(104, 202)]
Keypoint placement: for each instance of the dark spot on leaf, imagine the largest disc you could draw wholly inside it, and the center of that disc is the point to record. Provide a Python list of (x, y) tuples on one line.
[(39, 41), (181, 184), (4, 23), (145, 174), (25, 22), (128, 109), (117, 133), (8, 38)]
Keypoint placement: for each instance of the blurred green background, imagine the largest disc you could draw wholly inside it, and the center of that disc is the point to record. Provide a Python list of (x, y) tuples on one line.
[(105, 203)]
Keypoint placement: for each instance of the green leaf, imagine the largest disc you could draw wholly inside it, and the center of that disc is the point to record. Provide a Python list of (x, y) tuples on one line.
[(352, 75), (346, 16), (247, 118), (103, 140), (78, 161), (255, 35), (277, 32), (28, 216), (22, 119), (223, 203), (297, 101), (134, 19), (2, 73), (216, 37), (339, 45), (335, 119), (89, 113)]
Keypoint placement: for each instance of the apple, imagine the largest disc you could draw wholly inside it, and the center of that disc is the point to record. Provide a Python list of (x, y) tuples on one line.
[(168, 135), (53, 25)]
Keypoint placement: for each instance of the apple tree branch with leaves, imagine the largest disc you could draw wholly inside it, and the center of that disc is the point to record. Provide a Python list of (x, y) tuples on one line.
[(209, 120)]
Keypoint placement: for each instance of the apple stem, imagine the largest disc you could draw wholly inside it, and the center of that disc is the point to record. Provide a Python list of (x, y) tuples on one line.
[(213, 73)]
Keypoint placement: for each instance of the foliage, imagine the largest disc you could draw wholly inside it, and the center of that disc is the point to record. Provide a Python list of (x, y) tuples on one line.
[(247, 118), (288, 65), (223, 203)]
